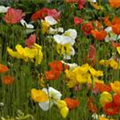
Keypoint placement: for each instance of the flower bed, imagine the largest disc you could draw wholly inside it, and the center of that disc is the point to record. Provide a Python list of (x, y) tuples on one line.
[(60, 60)]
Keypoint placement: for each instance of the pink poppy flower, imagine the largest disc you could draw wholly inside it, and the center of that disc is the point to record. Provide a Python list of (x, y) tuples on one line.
[(40, 14), (31, 40), (77, 20), (81, 4), (13, 16)]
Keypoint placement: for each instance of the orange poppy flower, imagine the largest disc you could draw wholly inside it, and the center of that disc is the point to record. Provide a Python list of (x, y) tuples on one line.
[(111, 109), (115, 20), (52, 75), (116, 29), (114, 3), (58, 65), (3, 68), (71, 103), (107, 21), (99, 35), (91, 106), (7, 80), (103, 87)]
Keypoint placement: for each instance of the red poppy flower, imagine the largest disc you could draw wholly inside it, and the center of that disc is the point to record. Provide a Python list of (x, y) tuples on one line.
[(40, 14), (81, 4), (111, 109), (3, 68), (116, 99), (13, 16), (77, 20), (102, 87), (7, 80), (31, 40), (87, 28), (71, 103), (91, 106), (52, 75), (99, 35)]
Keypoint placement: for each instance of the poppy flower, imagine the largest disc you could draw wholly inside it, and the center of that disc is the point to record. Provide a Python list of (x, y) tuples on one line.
[(115, 45), (105, 97), (116, 29), (116, 20), (7, 80), (114, 3), (39, 95), (116, 87), (99, 35), (71, 103), (92, 54), (40, 14), (53, 96), (52, 75), (87, 28), (56, 65), (107, 21), (92, 106), (116, 99), (77, 20), (111, 109), (103, 87), (3, 68), (81, 4), (13, 16), (61, 104), (31, 40)]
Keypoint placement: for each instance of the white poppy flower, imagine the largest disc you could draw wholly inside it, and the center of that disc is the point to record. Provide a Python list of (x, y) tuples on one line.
[(50, 20), (72, 33), (3, 9), (56, 30), (60, 39), (24, 23), (54, 96)]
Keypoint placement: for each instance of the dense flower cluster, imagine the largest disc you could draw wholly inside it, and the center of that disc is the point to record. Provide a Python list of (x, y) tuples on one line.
[(71, 62)]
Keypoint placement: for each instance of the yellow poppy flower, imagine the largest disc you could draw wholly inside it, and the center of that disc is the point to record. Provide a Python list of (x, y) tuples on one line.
[(96, 73), (116, 87), (39, 95), (105, 97), (45, 26), (63, 108), (64, 49)]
